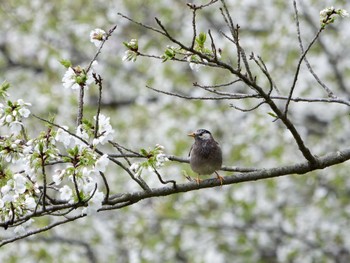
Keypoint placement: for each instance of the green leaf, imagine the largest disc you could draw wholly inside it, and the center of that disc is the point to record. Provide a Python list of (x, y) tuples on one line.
[(3, 88), (73, 152), (202, 37), (66, 63), (144, 152), (88, 124), (41, 147), (272, 114)]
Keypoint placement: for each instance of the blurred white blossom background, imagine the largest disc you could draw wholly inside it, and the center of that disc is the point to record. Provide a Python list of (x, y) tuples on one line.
[(287, 219)]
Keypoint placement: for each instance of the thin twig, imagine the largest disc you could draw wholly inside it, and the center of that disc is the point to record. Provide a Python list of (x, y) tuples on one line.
[(218, 85), (106, 185), (76, 187), (100, 48), (40, 230), (263, 68), (298, 69), (333, 60), (239, 96), (213, 47), (98, 80), (194, 34), (141, 24), (319, 81), (250, 109), (235, 35), (161, 179), (80, 105), (44, 180)]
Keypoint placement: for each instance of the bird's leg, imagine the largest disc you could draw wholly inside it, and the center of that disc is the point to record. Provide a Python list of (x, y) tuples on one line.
[(197, 179), (219, 177)]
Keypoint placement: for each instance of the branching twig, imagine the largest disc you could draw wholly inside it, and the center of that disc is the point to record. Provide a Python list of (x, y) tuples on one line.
[(121, 200), (240, 96), (333, 60), (298, 69), (40, 230), (324, 86), (110, 32), (141, 24), (235, 35), (138, 180), (161, 179)]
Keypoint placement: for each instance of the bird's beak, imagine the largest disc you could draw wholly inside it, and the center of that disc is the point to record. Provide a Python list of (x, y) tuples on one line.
[(192, 134)]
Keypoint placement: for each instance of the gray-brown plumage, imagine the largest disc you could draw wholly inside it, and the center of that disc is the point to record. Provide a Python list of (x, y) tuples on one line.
[(205, 154)]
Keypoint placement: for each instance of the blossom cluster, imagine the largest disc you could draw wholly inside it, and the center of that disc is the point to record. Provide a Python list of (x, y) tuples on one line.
[(194, 60), (155, 159), (132, 52), (60, 165), (327, 15), (12, 114), (76, 77), (97, 36), (76, 180)]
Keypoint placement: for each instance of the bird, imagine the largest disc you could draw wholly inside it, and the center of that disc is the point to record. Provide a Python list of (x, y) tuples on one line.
[(205, 154)]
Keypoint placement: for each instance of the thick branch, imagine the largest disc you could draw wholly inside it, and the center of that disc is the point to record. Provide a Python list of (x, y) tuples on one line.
[(299, 168), (126, 199)]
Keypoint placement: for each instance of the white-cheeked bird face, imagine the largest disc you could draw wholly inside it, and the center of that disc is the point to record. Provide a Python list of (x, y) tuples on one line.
[(203, 134)]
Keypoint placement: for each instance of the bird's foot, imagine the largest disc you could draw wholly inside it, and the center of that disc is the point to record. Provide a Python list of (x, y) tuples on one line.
[(221, 179)]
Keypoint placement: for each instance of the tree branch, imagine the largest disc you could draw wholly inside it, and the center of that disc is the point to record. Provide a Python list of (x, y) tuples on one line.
[(125, 199)]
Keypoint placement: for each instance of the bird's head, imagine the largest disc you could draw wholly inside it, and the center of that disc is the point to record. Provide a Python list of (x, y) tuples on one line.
[(201, 134)]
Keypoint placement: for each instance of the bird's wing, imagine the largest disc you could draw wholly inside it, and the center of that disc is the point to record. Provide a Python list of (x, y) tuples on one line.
[(189, 154)]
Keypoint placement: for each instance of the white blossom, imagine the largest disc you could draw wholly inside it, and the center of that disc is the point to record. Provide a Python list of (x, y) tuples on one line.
[(66, 193), (102, 163), (15, 127), (80, 132), (58, 175), (7, 193), (327, 11), (30, 202), (94, 203), (89, 186), (135, 167), (69, 79), (6, 188), (343, 13), (105, 130), (19, 183), (24, 112), (194, 62), (97, 36), (9, 118), (63, 136), (161, 159)]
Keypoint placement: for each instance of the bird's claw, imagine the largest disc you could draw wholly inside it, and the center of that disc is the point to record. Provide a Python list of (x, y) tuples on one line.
[(221, 179)]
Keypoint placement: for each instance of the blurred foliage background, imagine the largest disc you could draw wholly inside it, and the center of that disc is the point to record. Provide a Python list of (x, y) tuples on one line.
[(287, 219)]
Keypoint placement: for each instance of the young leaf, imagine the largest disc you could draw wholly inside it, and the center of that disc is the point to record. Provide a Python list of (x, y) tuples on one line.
[(66, 63)]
